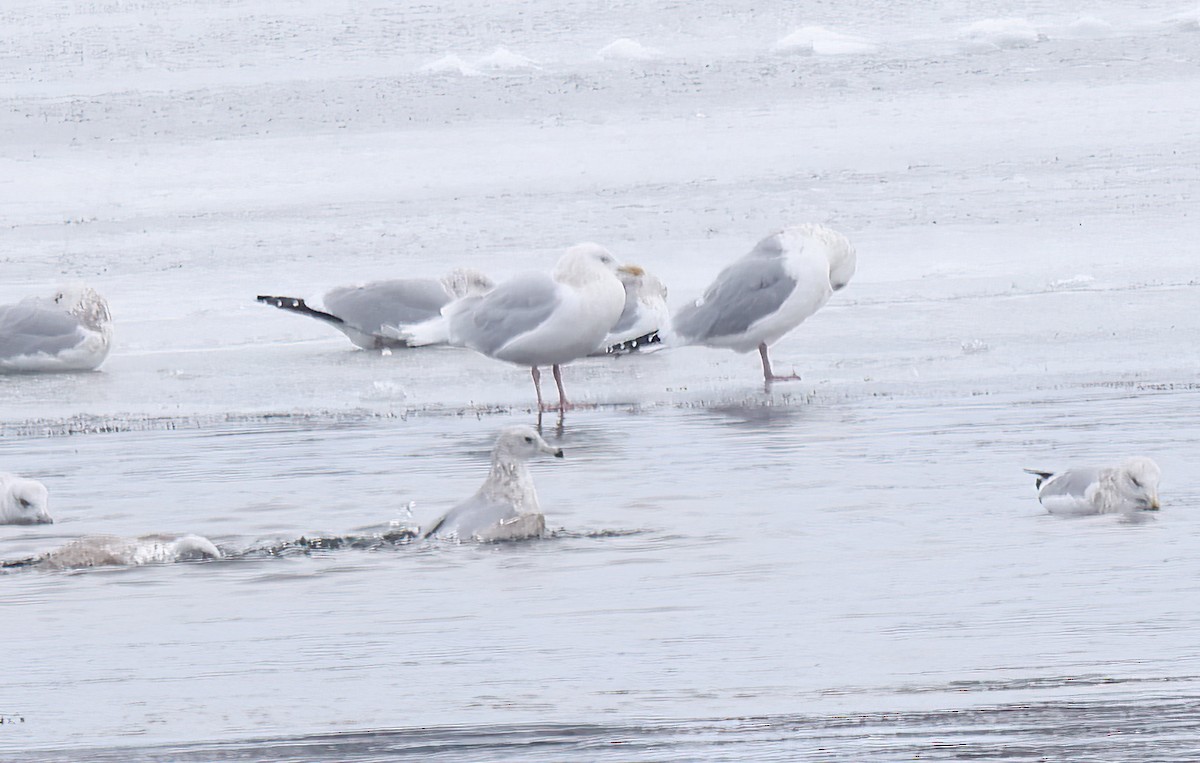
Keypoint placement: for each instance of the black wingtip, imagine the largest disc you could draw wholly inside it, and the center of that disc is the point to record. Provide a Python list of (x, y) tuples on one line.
[(1041, 476), (558, 453)]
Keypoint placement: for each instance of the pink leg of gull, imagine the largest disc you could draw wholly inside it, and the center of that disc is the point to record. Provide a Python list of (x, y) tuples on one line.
[(563, 403), (537, 385), (768, 375)]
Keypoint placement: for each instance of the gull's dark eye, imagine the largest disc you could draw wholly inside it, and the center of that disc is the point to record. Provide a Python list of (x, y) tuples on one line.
[(1135, 482), (24, 503), (528, 439)]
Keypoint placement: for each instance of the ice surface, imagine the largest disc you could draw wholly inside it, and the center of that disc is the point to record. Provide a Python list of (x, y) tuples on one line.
[(862, 541)]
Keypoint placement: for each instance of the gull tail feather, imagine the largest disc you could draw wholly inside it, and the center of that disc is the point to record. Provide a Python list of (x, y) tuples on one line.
[(433, 331), (1041, 476)]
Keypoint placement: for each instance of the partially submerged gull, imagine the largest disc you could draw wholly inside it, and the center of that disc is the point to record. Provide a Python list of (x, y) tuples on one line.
[(506, 506)]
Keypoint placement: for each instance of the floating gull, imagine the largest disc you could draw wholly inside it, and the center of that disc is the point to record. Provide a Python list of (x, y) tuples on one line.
[(114, 551), (535, 319), (752, 303), (70, 332), (361, 312), (506, 507), (1132, 486), (23, 501), (645, 313)]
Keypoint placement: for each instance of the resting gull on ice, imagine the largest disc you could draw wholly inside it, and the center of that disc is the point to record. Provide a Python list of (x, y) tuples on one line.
[(506, 506), (536, 319), (644, 315), (23, 501), (114, 551), (752, 303), (71, 331), (361, 312), (1131, 486)]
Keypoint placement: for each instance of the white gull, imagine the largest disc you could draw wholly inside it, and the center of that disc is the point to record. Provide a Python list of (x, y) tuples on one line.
[(71, 331), (361, 312), (536, 319), (645, 313), (1130, 486), (506, 506), (111, 550), (23, 501), (758, 299)]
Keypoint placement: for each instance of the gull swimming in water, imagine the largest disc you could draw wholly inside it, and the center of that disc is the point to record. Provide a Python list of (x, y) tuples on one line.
[(644, 315), (114, 551), (71, 331), (361, 312), (759, 298), (506, 506), (23, 501), (536, 319), (1131, 486)]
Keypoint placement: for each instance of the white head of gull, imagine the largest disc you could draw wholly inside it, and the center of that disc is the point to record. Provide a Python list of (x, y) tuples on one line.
[(71, 331), (23, 501), (506, 506), (761, 297), (538, 319), (1128, 487)]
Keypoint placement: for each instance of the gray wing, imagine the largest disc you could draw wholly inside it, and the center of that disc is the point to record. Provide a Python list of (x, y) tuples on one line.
[(393, 303), (515, 307), (472, 517), (629, 314), (1073, 483), (28, 328), (746, 291)]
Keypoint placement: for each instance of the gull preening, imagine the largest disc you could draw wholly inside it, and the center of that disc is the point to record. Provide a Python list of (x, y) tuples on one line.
[(536, 319), (71, 331), (758, 299), (362, 312), (115, 551), (1130, 486), (506, 506), (23, 501), (645, 313)]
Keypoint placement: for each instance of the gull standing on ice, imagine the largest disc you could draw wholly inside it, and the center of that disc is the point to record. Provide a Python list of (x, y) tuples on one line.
[(23, 501), (644, 315), (752, 303), (70, 332), (535, 319), (506, 506), (361, 312), (1131, 486)]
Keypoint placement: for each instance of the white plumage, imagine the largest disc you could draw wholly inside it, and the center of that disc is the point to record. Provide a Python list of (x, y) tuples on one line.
[(1130, 486)]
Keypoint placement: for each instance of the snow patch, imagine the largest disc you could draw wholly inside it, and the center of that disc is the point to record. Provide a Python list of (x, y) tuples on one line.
[(1001, 33), (974, 347), (1074, 282), (383, 391), (503, 59), (626, 49), (1188, 21), (823, 42), (1089, 26), (450, 64)]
